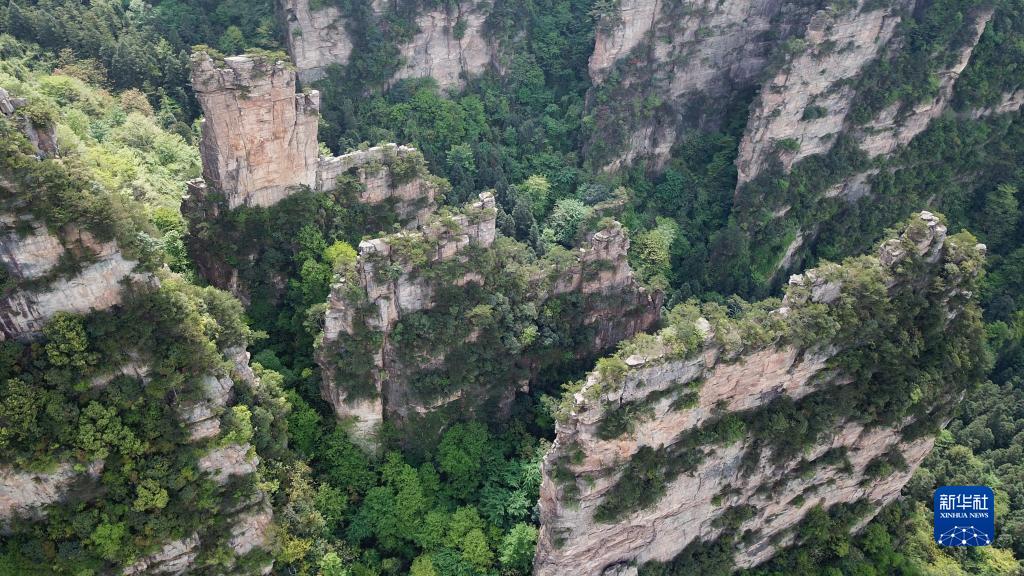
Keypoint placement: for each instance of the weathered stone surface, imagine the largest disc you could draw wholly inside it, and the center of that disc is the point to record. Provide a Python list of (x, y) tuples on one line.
[(23, 493), (806, 103), (892, 129), (690, 59), (230, 460), (251, 530), (389, 298), (435, 52), (724, 380), (258, 136), (43, 138), (616, 303), (176, 557), (414, 200), (316, 38), (97, 286)]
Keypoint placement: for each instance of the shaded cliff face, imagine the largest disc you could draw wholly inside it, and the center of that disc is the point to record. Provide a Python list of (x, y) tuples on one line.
[(448, 44), (258, 136), (840, 112), (662, 68), (439, 323), (725, 431)]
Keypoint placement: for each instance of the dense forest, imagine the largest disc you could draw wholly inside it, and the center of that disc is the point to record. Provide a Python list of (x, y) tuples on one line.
[(113, 77)]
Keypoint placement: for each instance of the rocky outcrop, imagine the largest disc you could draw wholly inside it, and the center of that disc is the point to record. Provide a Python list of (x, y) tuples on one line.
[(895, 127), (616, 305), (449, 45), (43, 289), (175, 558), (25, 493), (665, 445), (802, 109), (389, 174), (258, 135), (436, 51), (398, 275), (43, 137), (315, 38), (686, 62), (387, 283)]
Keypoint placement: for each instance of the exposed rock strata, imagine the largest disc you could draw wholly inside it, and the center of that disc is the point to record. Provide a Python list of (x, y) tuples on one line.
[(585, 464), (686, 62), (31, 255), (316, 38), (176, 557), (389, 298), (435, 52), (319, 37), (374, 301), (806, 102), (24, 493), (258, 136)]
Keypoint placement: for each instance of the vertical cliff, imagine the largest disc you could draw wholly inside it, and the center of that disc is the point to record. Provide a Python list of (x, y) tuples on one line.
[(454, 321), (862, 85), (258, 135), (661, 69), (725, 429), (802, 109), (448, 42)]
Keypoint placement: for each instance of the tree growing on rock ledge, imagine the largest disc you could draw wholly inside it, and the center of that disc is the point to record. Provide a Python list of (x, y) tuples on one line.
[(724, 430)]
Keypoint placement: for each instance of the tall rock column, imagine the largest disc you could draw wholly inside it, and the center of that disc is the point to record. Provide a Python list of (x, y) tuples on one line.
[(725, 430), (258, 136)]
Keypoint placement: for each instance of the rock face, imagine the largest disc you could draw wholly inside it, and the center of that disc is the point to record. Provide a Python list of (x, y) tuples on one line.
[(818, 108), (659, 414), (315, 38), (391, 281), (32, 261), (602, 270), (42, 137), (449, 44), (806, 103), (258, 136), (375, 299), (437, 53), (413, 198), (23, 493), (893, 128), (685, 62)]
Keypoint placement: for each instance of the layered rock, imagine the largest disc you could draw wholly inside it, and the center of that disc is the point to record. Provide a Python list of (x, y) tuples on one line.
[(449, 44), (258, 135), (894, 127), (805, 104), (397, 276), (25, 493), (804, 112), (32, 256), (437, 52), (686, 62), (413, 195), (602, 270), (386, 285), (663, 448), (315, 38)]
